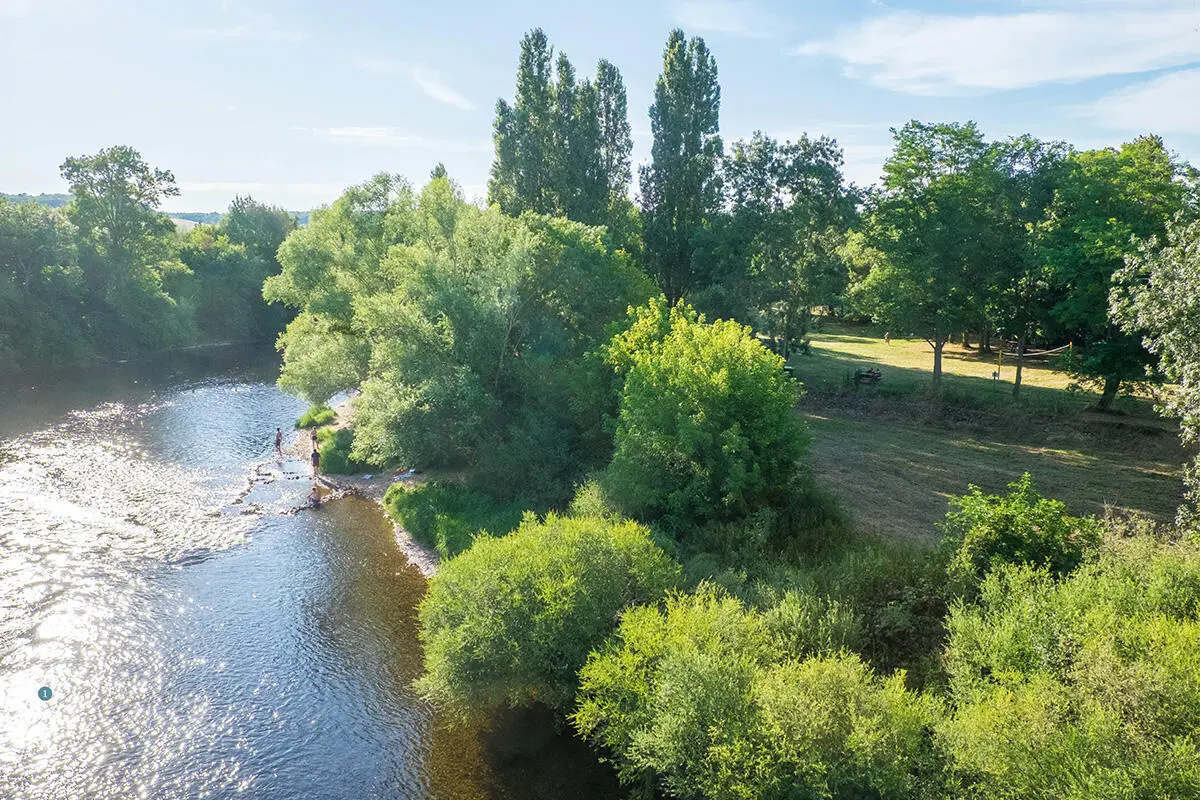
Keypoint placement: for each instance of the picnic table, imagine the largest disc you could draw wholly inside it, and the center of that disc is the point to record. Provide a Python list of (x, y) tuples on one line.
[(867, 375)]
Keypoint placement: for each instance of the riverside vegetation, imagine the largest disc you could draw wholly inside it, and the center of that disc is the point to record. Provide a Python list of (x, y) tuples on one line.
[(634, 534), (106, 276)]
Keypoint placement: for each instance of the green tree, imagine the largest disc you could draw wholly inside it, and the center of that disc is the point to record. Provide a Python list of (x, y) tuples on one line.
[(680, 188), (563, 147), (1155, 295), (1107, 201), (41, 289), (126, 249), (522, 172), (616, 141), (258, 227), (706, 429), (1020, 295), (932, 224), (464, 328), (790, 212), (511, 621)]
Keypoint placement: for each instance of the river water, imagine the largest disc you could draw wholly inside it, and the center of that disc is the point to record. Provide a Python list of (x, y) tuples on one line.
[(198, 639)]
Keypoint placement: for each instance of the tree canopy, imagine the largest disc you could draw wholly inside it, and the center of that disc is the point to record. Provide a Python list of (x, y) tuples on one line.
[(680, 187), (512, 620)]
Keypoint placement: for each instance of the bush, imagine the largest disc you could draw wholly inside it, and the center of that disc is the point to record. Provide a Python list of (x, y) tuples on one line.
[(707, 430), (335, 446), (511, 621), (1021, 528), (448, 517), (317, 415), (1083, 687), (706, 696)]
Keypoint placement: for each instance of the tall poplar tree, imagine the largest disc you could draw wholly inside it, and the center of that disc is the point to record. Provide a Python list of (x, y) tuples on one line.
[(680, 188), (616, 141), (522, 174), (563, 146)]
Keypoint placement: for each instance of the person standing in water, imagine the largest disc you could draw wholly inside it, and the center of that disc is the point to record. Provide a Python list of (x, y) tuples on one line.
[(316, 462), (279, 442)]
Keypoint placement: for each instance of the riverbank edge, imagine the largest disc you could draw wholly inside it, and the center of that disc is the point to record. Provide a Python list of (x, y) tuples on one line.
[(425, 559)]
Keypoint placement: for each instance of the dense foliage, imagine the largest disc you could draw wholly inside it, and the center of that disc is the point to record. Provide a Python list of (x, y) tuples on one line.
[(1088, 687), (464, 328), (706, 428), (988, 531), (722, 701), (106, 276), (512, 620), (1156, 293)]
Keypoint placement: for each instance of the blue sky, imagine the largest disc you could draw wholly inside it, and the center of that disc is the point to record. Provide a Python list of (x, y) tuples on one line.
[(293, 101)]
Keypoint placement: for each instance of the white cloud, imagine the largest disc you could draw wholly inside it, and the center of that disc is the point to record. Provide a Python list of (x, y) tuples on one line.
[(382, 136), (940, 54), (429, 82), (739, 18), (1167, 104)]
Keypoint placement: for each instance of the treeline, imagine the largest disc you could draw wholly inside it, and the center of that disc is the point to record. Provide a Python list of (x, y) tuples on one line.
[(107, 275), (679, 590), (1008, 243)]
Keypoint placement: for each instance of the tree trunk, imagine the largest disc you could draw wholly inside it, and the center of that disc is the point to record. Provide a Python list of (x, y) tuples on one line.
[(939, 343), (1020, 364), (1111, 385), (985, 339), (966, 340)]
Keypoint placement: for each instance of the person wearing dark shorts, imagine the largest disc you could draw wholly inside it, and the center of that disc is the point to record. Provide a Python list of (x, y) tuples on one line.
[(278, 441), (316, 462)]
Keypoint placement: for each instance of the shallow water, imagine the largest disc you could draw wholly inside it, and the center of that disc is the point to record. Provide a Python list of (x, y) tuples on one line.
[(199, 640)]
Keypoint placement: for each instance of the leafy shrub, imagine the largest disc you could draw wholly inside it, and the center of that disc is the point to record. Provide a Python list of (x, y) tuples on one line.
[(334, 446), (448, 517), (706, 696), (1020, 528), (512, 620), (317, 415), (1083, 687), (707, 430)]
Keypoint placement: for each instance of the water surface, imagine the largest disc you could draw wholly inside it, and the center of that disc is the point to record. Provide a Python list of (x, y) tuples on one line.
[(199, 639)]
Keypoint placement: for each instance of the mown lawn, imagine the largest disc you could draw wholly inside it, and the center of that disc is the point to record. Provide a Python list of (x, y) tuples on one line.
[(907, 369), (894, 458)]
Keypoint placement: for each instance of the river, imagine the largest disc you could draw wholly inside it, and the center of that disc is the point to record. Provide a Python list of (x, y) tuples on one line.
[(197, 639)]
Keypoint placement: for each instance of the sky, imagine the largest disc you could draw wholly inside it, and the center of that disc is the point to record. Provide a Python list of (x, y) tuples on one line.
[(291, 102)]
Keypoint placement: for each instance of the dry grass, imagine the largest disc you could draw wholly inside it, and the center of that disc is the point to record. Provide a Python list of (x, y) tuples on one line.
[(894, 465)]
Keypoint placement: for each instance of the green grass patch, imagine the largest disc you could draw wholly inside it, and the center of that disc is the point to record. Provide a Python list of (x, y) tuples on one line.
[(334, 446), (448, 517), (838, 349), (316, 416)]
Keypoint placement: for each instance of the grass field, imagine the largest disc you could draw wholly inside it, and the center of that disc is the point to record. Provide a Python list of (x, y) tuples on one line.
[(893, 457), (907, 367)]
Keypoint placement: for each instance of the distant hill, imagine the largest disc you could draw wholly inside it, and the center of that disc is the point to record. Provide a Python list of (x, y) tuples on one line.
[(49, 200), (196, 217), (199, 217)]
